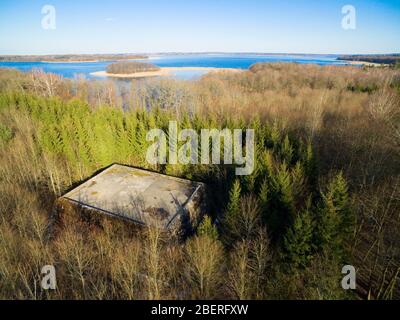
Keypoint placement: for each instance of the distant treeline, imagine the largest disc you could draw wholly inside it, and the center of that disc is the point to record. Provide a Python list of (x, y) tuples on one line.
[(131, 67), (381, 58), (70, 57)]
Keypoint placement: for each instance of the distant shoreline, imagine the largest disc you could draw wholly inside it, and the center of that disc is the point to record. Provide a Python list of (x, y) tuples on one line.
[(162, 72), (373, 60), (70, 58), (365, 63), (70, 61)]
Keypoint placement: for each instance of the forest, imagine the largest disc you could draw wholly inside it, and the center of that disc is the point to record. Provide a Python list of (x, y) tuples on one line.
[(324, 193), (392, 59), (128, 67)]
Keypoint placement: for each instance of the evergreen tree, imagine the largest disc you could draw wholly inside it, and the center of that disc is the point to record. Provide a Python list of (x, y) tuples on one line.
[(298, 241), (141, 142), (310, 166), (232, 213), (234, 198), (275, 135), (264, 194), (282, 202), (328, 226), (335, 220), (207, 228), (298, 180), (340, 196), (283, 185), (287, 150)]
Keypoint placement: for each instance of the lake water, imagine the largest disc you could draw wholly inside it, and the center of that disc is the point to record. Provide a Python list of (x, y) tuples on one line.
[(239, 61)]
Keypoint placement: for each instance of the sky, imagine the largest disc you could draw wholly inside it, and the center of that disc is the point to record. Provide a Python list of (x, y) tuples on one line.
[(131, 26)]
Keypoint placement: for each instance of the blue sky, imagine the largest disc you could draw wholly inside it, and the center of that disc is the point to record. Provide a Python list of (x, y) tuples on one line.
[(122, 26)]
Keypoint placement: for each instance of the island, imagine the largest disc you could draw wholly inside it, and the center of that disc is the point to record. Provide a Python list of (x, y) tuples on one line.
[(133, 69)]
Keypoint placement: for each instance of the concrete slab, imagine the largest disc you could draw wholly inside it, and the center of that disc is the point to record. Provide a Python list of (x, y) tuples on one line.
[(141, 196)]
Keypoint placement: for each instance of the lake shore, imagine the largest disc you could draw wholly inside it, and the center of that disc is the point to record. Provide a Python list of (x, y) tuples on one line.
[(70, 61), (364, 63), (162, 72)]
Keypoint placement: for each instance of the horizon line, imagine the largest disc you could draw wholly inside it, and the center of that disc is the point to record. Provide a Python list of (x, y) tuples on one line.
[(203, 52)]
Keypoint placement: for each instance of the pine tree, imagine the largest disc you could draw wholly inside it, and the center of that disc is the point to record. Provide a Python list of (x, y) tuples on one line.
[(264, 194), (283, 184), (282, 202), (310, 165), (122, 143), (130, 124), (141, 142), (297, 242), (309, 160), (207, 228), (328, 226), (275, 135), (335, 217), (339, 191), (232, 214), (287, 150), (234, 198), (298, 180), (267, 164)]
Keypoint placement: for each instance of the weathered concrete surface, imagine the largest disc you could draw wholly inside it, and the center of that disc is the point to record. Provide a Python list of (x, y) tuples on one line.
[(143, 197)]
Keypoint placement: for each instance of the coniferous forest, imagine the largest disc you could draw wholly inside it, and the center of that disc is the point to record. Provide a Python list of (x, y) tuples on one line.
[(325, 191)]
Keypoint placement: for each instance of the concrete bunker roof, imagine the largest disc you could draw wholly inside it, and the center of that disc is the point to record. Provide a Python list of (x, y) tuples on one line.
[(138, 195)]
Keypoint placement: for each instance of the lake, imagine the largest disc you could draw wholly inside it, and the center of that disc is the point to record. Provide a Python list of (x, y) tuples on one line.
[(238, 61)]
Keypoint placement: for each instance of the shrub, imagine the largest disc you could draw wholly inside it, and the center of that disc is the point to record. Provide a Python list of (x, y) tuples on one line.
[(6, 134)]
